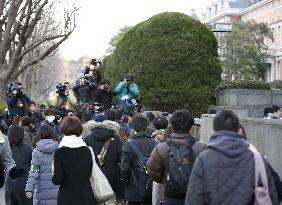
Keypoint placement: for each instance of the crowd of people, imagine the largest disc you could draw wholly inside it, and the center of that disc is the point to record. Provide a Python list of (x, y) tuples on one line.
[(146, 159), (46, 153)]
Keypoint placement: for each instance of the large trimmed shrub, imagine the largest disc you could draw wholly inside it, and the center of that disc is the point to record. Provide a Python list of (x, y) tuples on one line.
[(173, 58)]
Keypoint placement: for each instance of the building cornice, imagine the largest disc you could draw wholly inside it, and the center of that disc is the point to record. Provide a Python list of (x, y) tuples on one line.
[(222, 14), (255, 6)]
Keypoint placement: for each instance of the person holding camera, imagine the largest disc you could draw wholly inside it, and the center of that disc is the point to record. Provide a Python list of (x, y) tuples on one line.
[(104, 94), (92, 73), (82, 89), (17, 101), (128, 93), (64, 97)]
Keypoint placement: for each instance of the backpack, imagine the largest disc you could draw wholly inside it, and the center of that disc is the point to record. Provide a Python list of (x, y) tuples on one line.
[(181, 160), (142, 180), (2, 170)]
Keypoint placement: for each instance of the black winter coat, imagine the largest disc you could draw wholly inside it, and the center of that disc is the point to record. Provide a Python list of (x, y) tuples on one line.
[(16, 189), (129, 164), (104, 97), (83, 92), (72, 171), (17, 105), (225, 173), (100, 134)]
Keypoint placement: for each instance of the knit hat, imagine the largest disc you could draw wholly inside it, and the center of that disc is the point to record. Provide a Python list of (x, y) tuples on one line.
[(100, 118)]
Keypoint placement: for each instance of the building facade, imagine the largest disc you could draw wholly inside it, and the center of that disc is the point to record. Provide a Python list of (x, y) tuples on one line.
[(270, 13), (229, 12)]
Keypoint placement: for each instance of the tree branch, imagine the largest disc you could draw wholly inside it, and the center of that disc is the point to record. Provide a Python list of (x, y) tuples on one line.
[(41, 57), (34, 45)]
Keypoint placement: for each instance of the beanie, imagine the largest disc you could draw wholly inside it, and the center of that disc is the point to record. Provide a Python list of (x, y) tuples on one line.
[(100, 118)]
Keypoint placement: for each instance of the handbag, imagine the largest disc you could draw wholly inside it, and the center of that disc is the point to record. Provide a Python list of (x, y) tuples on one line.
[(100, 185), (262, 196), (101, 156)]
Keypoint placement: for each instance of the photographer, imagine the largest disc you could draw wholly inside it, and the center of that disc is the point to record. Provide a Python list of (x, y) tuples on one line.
[(92, 73), (17, 101), (64, 97), (104, 94), (82, 89), (128, 94)]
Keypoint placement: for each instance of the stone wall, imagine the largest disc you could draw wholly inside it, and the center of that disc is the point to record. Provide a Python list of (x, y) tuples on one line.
[(264, 134), (247, 103)]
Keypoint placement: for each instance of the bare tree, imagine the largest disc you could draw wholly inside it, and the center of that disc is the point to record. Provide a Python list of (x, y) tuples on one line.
[(20, 44)]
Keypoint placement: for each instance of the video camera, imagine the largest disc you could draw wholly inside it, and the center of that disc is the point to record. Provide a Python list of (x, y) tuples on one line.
[(61, 89), (95, 62), (11, 87)]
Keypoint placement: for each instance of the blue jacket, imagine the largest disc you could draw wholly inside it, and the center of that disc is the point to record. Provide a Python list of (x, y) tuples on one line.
[(122, 91), (40, 175)]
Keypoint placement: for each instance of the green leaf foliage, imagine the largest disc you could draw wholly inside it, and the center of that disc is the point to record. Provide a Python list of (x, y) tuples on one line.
[(277, 84), (172, 57), (244, 84), (3, 106)]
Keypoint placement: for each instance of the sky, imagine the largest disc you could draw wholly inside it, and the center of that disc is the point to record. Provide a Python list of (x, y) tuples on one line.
[(99, 21)]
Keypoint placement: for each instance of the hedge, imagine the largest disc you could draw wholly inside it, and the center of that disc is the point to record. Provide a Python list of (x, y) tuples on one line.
[(244, 84)]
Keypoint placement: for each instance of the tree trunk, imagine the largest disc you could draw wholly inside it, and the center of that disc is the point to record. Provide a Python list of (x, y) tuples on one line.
[(2, 90)]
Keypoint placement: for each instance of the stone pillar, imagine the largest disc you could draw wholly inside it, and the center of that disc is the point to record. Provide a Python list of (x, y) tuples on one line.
[(277, 74), (272, 71)]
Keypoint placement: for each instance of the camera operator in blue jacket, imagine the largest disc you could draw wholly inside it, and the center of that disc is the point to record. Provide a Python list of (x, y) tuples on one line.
[(128, 94)]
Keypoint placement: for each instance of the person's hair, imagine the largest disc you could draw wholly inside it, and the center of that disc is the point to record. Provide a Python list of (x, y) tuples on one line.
[(275, 108), (140, 123), (150, 116), (243, 131), (125, 119), (129, 113), (104, 82), (25, 121), (226, 120), (267, 110), (212, 111), (182, 121), (50, 112), (119, 114), (87, 116), (16, 120), (160, 123), (16, 135), (32, 103), (46, 132), (33, 121), (110, 114), (71, 125), (129, 77)]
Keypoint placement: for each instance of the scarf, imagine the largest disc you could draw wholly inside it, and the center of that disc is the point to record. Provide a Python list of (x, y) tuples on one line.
[(72, 141)]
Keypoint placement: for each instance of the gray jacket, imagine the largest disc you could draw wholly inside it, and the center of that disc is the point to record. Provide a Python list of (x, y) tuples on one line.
[(40, 175), (6, 153), (224, 174)]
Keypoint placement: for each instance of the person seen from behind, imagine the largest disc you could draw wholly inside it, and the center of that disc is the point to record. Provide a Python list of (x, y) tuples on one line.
[(134, 173), (171, 161), (225, 172), (39, 185), (22, 156), (73, 166)]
